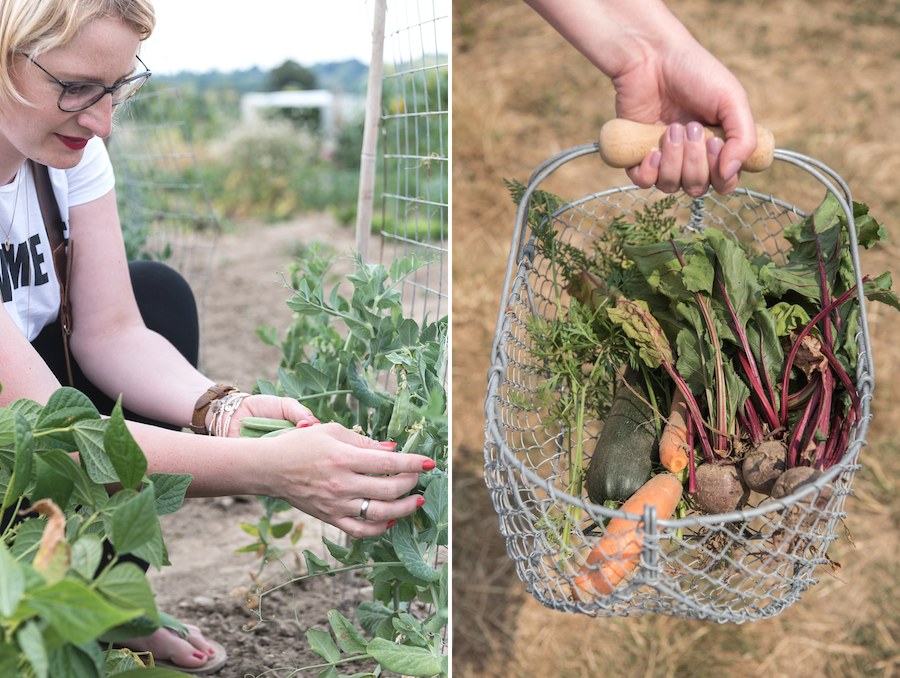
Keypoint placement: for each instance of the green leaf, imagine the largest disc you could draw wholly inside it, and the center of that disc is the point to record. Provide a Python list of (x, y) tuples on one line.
[(29, 534), (403, 659), (293, 387), (281, 529), (314, 564), (66, 406), (8, 429), (323, 645), (83, 661), (360, 388), (31, 642), (12, 582), (437, 507), (266, 387), (23, 444), (330, 672), (87, 552), (409, 554), (639, 324), (51, 483), (314, 379), (126, 586), (134, 523), (63, 464), (371, 614), (338, 552), (169, 490), (273, 505), (350, 640), (126, 457), (407, 335), (251, 548), (76, 612), (88, 435)]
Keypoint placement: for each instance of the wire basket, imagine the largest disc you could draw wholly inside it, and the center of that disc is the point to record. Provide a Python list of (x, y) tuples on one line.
[(734, 567)]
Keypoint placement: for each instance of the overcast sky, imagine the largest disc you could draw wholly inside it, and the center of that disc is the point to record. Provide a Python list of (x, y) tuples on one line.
[(202, 35)]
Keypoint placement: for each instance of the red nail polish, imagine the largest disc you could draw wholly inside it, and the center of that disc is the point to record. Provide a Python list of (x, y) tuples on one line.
[(303, 424), (199, 655), (387, 443), (427, 465), (420, 501), (211, 651), (391, 524)]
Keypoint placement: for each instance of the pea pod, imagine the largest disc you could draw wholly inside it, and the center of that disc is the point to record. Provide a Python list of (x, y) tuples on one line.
[(258, 427), (400, 413), (412, 443)]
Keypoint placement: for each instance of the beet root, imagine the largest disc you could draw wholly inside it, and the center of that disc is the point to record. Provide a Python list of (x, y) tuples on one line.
[(763, 466), (793, 479), (720, 488)]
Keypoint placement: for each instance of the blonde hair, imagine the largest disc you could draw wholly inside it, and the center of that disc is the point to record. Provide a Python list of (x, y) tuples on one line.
[(35, 26)]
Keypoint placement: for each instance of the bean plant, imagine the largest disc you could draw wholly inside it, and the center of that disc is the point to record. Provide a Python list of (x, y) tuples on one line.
[(360, 362), (61, 591)]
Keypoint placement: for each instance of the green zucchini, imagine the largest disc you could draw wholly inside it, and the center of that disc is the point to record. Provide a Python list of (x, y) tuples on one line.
[(628, 445)]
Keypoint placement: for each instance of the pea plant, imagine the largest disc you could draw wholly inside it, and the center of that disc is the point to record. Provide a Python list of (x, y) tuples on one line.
[(61, 590), (360, 362)]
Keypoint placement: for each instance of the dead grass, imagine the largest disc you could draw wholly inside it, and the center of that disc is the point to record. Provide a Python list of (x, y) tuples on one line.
[(825, 77)]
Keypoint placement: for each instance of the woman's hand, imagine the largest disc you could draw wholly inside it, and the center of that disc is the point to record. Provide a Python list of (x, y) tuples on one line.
[(663, 76), (270, 407), (685, 86), (327, 471)]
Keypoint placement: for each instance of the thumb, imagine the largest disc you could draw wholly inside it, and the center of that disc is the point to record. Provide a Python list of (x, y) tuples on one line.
[(740, 140)]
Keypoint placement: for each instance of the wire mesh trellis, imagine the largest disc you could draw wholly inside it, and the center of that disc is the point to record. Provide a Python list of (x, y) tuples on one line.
[(415, 149), (163, 206), (733, 567)]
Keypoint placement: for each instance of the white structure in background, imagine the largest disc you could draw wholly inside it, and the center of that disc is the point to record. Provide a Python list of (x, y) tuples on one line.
[(335, 108)]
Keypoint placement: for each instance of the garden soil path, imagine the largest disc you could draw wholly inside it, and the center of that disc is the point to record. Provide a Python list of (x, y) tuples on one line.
[(207, 582)]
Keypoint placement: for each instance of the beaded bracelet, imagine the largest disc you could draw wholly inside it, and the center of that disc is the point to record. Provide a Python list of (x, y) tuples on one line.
[(222, 412)]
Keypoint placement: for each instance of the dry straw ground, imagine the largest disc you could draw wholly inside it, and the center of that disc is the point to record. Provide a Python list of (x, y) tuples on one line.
[(825, 77)]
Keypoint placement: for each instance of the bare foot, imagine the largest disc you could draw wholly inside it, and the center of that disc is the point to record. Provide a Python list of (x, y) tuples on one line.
[(165, 644)]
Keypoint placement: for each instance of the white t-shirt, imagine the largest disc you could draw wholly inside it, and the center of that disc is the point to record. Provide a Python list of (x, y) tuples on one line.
[(28, 282)]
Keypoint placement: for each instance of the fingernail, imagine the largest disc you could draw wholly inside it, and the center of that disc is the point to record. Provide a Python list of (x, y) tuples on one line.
[(316, 421), (655, 157), (420, 501), (731, 169), (391, 524), (694, 131), (211, 652), (675, 133), (303, 424), (714, 146), (427, 465), (387, 443), (199, 655)]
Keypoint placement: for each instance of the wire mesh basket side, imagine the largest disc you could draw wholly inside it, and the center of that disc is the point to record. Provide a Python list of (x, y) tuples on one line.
[(735, 567)]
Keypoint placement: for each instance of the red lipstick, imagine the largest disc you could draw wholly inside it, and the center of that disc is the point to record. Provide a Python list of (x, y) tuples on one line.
[(75, 143)]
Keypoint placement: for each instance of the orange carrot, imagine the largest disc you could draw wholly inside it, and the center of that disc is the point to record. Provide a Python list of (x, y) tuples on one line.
[(673, 446), (619, 552)]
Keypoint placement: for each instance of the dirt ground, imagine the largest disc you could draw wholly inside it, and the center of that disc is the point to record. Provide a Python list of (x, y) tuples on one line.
[(825, 78), (206, 584)]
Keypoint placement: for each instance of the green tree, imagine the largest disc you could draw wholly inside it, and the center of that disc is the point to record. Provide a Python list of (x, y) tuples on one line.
[(291, 75)]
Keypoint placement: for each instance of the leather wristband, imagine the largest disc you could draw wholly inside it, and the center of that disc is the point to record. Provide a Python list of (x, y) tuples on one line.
[(214, 392)]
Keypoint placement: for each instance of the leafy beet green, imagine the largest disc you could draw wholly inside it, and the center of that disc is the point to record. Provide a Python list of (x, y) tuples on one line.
[(758, 347)]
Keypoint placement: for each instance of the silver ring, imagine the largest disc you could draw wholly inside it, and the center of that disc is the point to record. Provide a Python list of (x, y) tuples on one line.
[(363, 509)]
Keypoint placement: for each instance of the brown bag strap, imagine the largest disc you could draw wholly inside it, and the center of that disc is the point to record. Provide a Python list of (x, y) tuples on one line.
[(55, 227)]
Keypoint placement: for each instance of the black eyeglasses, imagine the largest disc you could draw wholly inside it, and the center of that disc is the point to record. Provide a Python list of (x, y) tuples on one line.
[(76, 96)]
